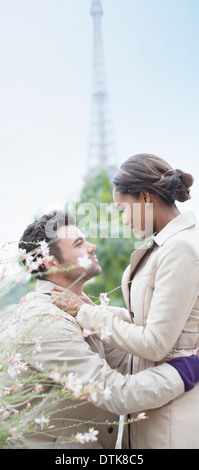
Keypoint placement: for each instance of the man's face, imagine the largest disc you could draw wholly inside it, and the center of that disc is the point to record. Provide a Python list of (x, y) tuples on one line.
[(73, 245)]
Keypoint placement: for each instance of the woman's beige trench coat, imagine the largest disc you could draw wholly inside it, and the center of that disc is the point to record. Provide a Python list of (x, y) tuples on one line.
[(161, 290)]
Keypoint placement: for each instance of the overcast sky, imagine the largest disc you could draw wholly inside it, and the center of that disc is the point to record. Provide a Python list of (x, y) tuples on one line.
[(151, 50)]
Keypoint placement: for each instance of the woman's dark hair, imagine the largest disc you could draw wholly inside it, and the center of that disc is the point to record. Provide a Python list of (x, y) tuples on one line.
[(145, 172), (45, 228)]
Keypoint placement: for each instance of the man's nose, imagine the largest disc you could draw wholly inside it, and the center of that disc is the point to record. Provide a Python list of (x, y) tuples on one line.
[(91, 248)]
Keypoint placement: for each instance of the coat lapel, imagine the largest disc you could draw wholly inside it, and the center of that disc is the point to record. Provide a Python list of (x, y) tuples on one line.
[(129, 272), (125, 287), (138, 254)]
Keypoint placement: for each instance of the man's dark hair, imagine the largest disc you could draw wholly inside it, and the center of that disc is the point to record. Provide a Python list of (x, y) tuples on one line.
[(45, 228)]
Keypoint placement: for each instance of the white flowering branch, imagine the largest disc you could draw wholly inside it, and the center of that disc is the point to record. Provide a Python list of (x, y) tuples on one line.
[(17, 421)]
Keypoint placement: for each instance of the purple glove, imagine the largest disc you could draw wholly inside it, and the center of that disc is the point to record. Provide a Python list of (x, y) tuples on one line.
[(188, 368)]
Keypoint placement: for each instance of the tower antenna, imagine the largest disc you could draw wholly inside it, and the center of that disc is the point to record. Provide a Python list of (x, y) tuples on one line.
[(101, 144)]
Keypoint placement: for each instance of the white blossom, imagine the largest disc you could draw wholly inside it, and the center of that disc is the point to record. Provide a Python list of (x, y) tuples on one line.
[(93, 434), (44, 249), (17, 365), (87, 332), (22, 253), (38, 388), (84, 261), (140, 417), (107, 394), (55, 375), (104, 299), (35, 258), (73, 384), (105, 333), (80, 438), (39, 366), (42, 421), (90, 436), (13, 432)]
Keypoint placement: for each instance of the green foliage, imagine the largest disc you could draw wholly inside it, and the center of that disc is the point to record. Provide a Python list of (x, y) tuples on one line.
[(110, 237), (16, 292)]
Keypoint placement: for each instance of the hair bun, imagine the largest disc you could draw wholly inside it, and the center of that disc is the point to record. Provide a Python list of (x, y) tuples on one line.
[(146, 172), (183, 193), (179, 183)]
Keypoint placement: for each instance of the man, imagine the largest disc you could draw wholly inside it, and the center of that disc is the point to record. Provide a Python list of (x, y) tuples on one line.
[(65, 360)]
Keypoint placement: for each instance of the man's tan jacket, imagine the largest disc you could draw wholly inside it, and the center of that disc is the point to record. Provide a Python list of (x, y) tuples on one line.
[(63, 348)]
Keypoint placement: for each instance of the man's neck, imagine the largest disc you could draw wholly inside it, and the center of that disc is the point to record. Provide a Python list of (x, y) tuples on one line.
[(74, 286)]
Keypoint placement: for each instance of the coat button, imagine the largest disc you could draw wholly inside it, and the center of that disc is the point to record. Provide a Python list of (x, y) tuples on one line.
[(110, 430)]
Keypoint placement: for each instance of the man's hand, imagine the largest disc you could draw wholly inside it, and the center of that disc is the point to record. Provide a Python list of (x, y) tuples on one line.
[(68, 300)]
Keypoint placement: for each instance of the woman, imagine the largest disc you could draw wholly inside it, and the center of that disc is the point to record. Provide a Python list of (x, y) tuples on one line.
[(161, 290)]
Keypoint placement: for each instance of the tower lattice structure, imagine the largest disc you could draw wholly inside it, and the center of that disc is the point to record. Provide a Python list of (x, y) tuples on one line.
[(101, 145)]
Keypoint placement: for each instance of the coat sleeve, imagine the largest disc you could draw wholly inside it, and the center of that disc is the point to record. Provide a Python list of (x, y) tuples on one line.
[(175, 292), (118, 360), (67, 352)]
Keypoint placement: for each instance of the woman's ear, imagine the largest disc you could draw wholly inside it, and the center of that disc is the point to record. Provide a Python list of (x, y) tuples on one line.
[(146, 196)]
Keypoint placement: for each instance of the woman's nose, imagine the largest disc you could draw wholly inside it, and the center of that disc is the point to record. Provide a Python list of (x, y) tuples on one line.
[(125, 221)]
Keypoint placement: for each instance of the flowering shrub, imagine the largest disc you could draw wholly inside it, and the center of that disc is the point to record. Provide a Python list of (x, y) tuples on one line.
[(22, 385), (37, 256)]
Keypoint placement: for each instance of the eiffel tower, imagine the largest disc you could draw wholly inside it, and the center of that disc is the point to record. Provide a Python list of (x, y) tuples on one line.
[(101, 143)]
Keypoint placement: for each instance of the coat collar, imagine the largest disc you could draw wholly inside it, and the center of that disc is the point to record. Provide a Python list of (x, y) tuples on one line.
[(44, 287), (181, 222)]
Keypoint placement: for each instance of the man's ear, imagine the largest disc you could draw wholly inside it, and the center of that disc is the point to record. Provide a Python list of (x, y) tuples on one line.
[(51, 264)]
